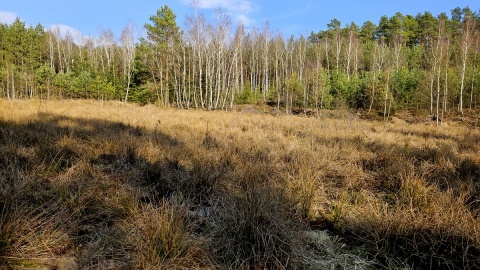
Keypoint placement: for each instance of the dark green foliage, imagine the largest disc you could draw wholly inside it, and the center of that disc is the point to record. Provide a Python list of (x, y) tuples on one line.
[(405, 84), (245, 97), (367, 31)]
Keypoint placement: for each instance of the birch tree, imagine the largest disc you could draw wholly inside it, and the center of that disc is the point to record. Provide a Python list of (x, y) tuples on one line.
[(128, 53), (467, 31), (335, 30)]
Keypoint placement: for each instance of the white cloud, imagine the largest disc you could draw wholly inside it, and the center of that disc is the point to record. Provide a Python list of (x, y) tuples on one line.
[(238, 6), (64, 30), (7, 17), (244, 19), (238, 9)]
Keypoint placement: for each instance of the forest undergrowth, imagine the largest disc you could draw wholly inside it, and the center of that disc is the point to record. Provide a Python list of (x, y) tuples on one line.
[(92, 185)]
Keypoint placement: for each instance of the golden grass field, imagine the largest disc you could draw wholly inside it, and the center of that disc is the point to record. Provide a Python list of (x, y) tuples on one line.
[(92, 185)]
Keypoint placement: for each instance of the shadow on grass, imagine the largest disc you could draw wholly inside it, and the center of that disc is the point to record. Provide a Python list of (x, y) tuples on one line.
[(87, 176), (77, 179)]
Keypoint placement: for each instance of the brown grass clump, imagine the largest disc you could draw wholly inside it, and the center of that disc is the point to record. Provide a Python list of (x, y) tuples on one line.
[(161, 238), (257, 226), (93, 185)]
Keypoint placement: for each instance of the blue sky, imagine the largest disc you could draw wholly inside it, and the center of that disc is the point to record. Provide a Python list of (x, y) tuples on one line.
[(88, 17)]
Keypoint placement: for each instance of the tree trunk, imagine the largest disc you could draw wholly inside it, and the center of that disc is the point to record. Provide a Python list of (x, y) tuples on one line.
[(386, 96)]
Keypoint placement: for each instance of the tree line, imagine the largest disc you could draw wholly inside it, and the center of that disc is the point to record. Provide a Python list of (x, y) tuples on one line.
[(421, 62)]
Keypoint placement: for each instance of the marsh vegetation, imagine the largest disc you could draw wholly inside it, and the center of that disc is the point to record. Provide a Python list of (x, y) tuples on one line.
[(92, 185)]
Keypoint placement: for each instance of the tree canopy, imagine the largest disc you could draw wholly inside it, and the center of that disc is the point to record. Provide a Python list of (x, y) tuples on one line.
[(406, 61)]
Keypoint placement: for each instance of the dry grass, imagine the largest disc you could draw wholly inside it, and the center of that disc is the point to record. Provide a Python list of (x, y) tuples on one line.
[(105, 186)]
